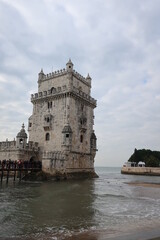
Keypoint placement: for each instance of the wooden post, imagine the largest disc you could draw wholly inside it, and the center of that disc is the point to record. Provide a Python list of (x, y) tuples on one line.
[(8, 170), (14, 178), (7, 175), (20, 175), (2, 175)]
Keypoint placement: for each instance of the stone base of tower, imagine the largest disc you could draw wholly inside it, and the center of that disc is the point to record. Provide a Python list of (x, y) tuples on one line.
[(68, 165)]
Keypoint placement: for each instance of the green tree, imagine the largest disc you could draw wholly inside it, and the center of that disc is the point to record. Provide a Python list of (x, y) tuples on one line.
[(152, 162), (151, 158)]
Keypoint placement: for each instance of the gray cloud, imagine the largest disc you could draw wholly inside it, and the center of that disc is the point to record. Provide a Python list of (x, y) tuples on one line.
[(117, 42)]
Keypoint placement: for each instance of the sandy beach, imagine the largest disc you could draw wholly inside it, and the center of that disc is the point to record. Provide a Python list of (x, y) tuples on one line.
[(104, 235), (144, 184)]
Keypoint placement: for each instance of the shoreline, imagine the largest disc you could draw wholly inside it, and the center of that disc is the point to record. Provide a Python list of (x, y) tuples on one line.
[(104, 235), (97, 235), (144, 184), (146, 171)]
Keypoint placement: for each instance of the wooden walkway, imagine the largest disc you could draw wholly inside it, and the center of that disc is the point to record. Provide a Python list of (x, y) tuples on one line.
[(16, 172)]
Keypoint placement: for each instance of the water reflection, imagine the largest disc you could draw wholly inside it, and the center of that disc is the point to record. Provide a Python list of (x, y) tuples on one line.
[(88, 209), (48, 208)]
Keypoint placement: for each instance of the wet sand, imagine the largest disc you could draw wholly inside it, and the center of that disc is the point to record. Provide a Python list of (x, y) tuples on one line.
[(143, 184), (104, 235), (136, 234)]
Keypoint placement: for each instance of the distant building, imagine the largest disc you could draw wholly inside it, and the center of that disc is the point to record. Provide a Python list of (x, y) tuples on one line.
[(60, 128)]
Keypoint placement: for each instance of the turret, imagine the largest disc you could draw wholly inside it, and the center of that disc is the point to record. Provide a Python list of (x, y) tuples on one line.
[(88, 79), (69, 66), (21, 139), (41, 75), (93, 142)]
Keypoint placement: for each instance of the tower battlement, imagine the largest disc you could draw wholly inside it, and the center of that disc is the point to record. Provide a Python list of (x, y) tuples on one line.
[(59, 92), (45, 77)]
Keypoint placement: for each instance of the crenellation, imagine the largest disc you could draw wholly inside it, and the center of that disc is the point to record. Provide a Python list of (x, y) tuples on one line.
[(62, 72), (54, 74), (54, 92)]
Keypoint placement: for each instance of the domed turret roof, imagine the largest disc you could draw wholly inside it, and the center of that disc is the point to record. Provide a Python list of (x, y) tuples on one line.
[(88, 76), (69, 62), (22, 133), (67, 129)]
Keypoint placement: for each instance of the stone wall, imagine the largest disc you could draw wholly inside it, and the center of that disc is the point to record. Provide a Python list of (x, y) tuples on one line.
[(141, 171), (67, 162)]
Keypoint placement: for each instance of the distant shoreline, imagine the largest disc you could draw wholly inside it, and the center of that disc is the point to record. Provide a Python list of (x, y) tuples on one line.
[(147, 171), (144, 184)]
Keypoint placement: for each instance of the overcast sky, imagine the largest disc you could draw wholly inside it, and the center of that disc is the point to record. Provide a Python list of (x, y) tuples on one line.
[(116, 41)]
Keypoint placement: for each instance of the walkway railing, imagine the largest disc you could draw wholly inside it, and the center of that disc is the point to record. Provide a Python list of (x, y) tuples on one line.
[(18, 168)]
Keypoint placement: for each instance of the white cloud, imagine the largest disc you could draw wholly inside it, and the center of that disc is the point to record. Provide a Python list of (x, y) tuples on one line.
[(117, 42)]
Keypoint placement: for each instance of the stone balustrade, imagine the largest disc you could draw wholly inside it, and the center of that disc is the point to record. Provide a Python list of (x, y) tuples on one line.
[(59, 90), (56, 155), (7, 145), (10, 145)]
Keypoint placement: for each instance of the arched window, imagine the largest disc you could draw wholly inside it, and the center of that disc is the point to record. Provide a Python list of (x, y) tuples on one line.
[(47, 136), (67, 135), (81, 138), (53, 90), (82, 107)]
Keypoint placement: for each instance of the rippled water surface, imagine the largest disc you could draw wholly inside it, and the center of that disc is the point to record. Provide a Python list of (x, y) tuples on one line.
[(54, 210)]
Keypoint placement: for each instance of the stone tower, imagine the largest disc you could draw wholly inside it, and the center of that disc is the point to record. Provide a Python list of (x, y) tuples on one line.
[(62, 122), (21, 138)]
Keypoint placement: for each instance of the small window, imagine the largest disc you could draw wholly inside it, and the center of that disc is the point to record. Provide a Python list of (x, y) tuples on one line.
[(53, 90), (67, 135), (81, 138), (47, 136), (48, 119), (49, 105), (64, 87), (82, 107), (30, 124), (21, 141)]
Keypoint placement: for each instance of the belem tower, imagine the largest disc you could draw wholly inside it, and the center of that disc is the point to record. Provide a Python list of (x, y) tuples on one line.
[(60, 128)]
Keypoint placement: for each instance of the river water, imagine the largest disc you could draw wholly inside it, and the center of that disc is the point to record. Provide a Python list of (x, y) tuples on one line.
[(57, 210)]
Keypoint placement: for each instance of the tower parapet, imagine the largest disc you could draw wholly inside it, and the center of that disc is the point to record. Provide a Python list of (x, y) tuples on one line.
[(60, 93), (69, 69)]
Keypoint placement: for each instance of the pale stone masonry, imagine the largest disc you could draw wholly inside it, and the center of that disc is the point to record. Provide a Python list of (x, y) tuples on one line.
[(61, 125), (148, 171), (19, 149)]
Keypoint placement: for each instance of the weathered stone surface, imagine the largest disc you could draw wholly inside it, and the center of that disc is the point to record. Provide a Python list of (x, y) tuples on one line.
[(42, 176), (60, 128)]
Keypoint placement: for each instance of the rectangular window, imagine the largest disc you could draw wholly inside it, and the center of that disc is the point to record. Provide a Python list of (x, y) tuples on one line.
[(49, 105)]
